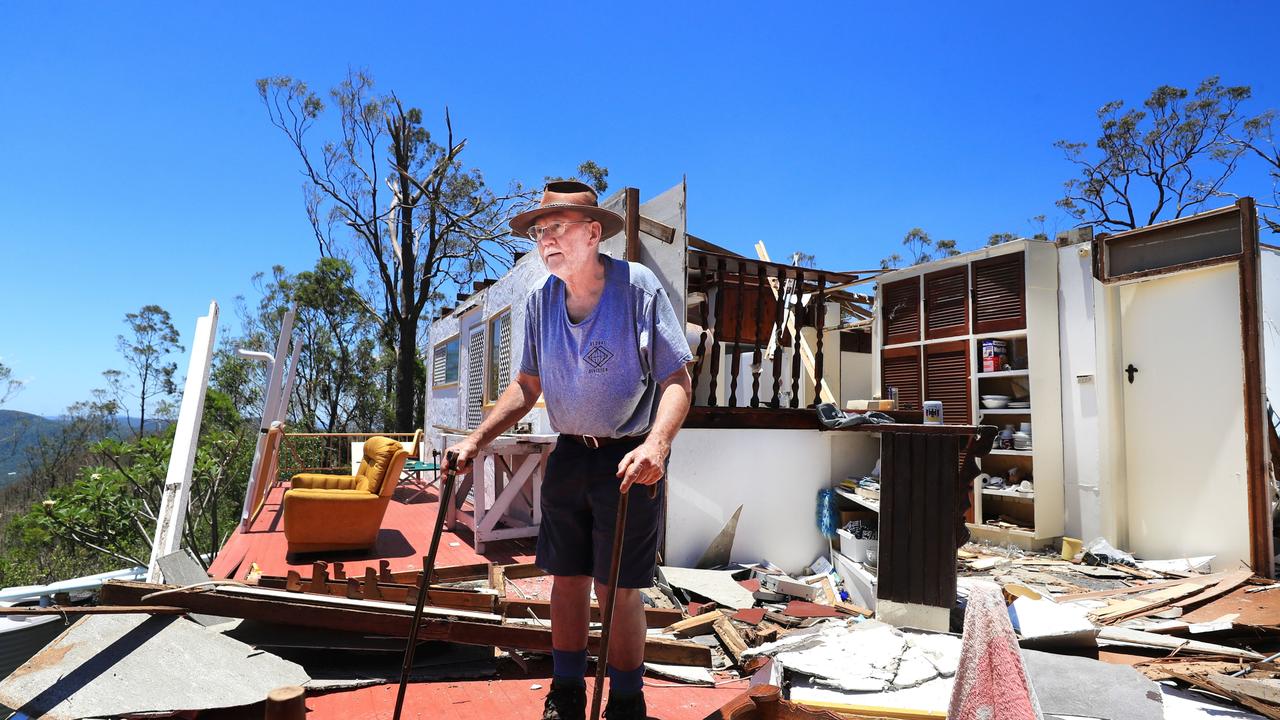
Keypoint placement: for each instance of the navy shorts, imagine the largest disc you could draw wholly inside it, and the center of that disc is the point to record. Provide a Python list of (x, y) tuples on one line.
[(579, 508)]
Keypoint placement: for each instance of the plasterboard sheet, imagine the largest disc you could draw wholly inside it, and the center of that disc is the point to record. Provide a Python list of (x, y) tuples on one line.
[(717, 585), (110, 665)]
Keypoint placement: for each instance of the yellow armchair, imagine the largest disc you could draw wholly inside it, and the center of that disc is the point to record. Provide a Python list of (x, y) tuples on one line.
[(343, 512)]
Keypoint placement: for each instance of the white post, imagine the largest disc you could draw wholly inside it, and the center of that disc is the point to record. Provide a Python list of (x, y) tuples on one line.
[(290, 374), (270, 406), (177, 484)]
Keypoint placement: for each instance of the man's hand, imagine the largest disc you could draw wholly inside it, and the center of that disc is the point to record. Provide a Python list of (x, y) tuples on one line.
[(643, 466), (463, 453)]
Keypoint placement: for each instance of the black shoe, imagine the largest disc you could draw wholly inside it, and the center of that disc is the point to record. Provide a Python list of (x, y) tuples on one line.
[(626, 707), (565, 702)]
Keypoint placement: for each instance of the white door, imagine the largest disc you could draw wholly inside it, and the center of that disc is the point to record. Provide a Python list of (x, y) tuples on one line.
[(1183, 416)]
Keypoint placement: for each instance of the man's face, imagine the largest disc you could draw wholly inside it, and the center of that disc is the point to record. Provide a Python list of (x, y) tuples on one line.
[(573, 248)]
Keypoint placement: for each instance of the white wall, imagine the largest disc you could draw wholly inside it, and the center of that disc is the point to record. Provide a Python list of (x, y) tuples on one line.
[(1271, 324), (1081, 454), (774, 474), (856, 373)]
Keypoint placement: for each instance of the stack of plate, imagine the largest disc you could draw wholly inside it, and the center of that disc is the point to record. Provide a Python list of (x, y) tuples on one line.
[(995, 402)]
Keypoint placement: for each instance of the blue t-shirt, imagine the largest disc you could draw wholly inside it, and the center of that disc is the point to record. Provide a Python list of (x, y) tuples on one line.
[(600, 376)]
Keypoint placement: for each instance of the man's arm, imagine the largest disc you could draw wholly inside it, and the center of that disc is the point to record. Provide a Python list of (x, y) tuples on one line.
[(646, 464), (513, 404)]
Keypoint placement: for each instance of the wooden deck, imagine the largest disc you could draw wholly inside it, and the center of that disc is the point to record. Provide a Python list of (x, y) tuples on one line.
[(403, 542)]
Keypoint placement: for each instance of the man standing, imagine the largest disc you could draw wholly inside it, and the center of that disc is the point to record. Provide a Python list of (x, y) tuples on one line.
[(604, 348)]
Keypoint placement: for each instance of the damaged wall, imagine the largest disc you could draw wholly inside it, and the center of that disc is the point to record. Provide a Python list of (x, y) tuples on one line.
[(1081, 453), (774, 474), (1271, 324)]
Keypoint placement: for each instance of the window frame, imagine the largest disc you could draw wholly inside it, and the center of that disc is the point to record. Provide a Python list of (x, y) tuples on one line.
[(455, 339)]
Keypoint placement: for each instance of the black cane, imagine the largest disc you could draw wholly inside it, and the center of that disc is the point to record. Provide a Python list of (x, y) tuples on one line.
[(428, 569)]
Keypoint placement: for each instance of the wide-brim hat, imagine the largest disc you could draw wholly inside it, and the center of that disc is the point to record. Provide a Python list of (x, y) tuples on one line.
[(569, 195)]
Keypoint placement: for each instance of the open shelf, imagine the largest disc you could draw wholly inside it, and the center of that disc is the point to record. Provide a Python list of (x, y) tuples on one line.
[(1005, 411), (1009, 493), (1004, 374), (867, 503)]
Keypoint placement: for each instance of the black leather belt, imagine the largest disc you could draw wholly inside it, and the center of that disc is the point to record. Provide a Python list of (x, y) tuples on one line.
[(595, 442)]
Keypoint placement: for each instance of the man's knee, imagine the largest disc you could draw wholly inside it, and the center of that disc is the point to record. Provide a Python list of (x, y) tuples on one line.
[(571, 584), (624, 594)]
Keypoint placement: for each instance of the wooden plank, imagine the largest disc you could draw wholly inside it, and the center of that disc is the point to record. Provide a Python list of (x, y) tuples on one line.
[(358, 617), (1179, 645), (1143, 604), (730, 639), (1254, 689), (395, 592), (77, 610), (1205, 683), (541, 609), (697, 625), (1094, 595)]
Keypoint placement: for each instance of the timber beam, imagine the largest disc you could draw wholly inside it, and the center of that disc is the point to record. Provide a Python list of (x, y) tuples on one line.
[(377, 621)]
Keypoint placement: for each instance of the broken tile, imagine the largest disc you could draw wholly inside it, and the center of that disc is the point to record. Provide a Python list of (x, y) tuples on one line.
[(750, 616)]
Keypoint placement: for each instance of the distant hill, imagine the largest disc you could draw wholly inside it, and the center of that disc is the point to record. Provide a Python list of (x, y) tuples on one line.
[(18, 431)]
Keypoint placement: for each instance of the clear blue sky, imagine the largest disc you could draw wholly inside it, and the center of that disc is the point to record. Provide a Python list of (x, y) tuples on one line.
[(137, 164)]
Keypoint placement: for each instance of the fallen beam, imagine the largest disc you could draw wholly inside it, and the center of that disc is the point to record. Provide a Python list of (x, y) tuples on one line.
[(351, 617), (390, 592), (69, 610), (541, 609)]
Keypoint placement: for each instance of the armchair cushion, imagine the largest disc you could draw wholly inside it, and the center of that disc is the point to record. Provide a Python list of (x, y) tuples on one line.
[(378, 454), (316, 481)]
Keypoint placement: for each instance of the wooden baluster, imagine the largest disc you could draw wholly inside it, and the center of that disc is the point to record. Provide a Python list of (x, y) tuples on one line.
[(756, 359), (702, 339), (715, 348), (796, 339), (820, 311), (737, 342), (777, 343)]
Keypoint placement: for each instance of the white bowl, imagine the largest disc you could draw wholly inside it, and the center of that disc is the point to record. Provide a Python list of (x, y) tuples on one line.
[(994, 404), (996, 397)]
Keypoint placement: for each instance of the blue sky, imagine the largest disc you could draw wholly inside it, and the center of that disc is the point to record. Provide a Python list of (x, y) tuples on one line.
[(137, 164)]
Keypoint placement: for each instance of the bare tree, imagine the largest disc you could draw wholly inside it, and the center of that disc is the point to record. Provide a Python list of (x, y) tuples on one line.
[(1259, 140), (9, 386), (415, 216), (1162, 161)]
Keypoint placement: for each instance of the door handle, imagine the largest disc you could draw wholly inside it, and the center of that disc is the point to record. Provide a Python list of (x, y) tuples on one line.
[(1131, 370)]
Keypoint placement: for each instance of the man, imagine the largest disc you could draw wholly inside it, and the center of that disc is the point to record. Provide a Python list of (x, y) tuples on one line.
[(605, 350)]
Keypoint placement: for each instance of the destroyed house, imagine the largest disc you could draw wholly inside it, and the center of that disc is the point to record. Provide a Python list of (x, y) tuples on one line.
[(751, 439)]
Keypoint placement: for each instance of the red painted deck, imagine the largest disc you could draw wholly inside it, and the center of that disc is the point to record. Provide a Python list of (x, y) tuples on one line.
[(403, 541), (505, 699)]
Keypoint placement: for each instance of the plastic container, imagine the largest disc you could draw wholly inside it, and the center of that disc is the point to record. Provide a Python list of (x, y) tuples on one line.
[(857, 549)]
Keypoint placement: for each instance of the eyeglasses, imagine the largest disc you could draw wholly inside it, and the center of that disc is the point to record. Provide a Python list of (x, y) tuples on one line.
[(554, 231)]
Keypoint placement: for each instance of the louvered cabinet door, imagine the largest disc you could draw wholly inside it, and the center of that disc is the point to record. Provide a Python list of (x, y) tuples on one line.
[(946, 379), (902, 311), (900, 368), (946, 303), (999, 294)]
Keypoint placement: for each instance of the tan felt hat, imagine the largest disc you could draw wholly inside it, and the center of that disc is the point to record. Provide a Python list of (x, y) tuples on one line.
[(569, 195)]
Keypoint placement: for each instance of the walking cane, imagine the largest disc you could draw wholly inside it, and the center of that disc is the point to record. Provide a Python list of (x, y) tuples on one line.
[(615, 566), (428, 569)]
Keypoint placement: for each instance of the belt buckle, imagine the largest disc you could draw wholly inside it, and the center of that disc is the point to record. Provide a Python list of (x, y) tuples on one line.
[(591, 441)]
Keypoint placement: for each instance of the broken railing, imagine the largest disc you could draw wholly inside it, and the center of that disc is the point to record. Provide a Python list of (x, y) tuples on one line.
[(754, 309)]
